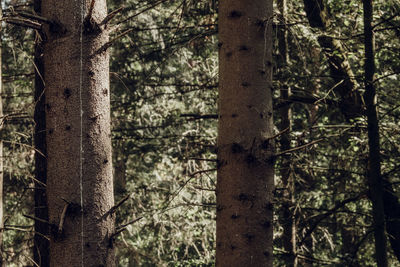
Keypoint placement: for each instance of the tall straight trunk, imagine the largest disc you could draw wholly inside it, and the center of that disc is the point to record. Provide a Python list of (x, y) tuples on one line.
[(288, 218), (375, 180), (79, 169), (41, 243), (1, 148), (245, 148)]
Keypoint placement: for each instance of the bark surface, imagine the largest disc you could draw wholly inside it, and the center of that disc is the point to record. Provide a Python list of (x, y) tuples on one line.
[(245, 148), (79, 176), (1, 149), (41, 243), (375, 180)]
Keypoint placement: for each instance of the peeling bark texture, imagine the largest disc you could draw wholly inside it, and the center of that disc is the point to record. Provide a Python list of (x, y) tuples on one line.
[(78, 134), (375, 181), (41, 244), (345, 84), (245, 152)]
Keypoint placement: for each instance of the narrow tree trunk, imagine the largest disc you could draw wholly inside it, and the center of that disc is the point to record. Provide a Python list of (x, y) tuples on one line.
[(1, 148), (41, 243), (392, 213), (245, 162), (288, 218), (79, 169), (374, 171)]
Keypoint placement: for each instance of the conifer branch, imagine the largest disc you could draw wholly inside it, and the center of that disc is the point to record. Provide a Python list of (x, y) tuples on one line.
[(111, 15), (36, 219)]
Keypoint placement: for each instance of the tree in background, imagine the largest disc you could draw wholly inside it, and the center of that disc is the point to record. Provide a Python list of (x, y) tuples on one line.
[(375, 181), (287, 217), (163, 95), (164, 80), (245, 181), (41, 238), (1, 144), (79, 166)]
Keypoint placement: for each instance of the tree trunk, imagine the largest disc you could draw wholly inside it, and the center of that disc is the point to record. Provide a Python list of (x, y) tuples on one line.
[(79, 169), (287, 218), (1, 148), (375, 180), (392, 213), (41, 243), (245, 148)]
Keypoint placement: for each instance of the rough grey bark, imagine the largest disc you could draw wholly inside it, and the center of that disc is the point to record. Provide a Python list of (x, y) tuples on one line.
[(375, 180), (288, 217), (79, 169), (245, 148)]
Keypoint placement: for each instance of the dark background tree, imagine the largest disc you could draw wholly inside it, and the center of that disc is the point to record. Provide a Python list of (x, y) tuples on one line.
[(375, 181), (41, 241), (1, 148)]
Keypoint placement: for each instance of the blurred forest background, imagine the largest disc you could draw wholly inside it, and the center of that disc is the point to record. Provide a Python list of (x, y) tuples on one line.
[(164, 79)]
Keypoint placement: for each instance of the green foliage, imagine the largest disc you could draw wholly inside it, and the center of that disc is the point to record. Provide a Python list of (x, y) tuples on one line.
[(331, 205), (17, 140), (164, 76)]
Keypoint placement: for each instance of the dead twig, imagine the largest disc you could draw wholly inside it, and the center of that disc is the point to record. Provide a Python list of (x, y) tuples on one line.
[(115, 207), (62, 219), (279, 134), (298, 148), (111, 15), (123, 227), (36, 219)]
